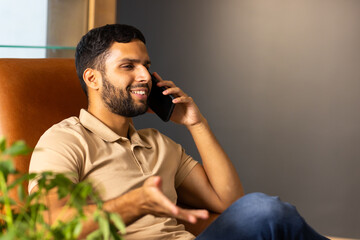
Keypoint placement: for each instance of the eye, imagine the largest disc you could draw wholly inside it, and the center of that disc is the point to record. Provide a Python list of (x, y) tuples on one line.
[(128, 66)]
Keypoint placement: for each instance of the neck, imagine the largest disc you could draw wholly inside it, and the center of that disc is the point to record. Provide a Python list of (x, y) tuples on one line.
[(119, 124)]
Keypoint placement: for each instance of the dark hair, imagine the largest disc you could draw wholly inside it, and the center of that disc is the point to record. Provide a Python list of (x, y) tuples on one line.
[(93, 47)]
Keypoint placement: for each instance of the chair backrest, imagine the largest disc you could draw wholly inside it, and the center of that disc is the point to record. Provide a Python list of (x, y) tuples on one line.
[(34, 95)]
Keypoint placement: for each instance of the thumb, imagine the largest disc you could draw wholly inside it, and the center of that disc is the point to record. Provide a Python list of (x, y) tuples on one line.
[(154, 181)]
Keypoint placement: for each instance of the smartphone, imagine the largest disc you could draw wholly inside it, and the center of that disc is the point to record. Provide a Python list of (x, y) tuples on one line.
[(161, 104)]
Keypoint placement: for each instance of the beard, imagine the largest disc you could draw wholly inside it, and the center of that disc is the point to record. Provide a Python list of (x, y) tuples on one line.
[(120, 102)]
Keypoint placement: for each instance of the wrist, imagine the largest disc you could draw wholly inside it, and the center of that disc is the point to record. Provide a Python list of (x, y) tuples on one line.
[(138, 202), (128, 206), (199, 126)]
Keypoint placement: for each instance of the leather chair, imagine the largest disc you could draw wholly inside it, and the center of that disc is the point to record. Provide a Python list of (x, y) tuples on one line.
[(34, 95), (37, 93)]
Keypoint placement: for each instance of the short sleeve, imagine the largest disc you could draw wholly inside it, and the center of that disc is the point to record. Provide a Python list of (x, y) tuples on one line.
[(187, 163), (58, 150)]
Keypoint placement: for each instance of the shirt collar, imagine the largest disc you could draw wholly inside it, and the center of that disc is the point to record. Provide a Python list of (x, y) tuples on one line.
[(97, 127)]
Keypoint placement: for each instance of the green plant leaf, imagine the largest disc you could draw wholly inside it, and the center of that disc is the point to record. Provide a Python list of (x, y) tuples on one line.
[(43, 179), (94, 235), (31, 176), (115, 233), (34, 195), (7, 167), (28, 222), (9, 235), (77, 229), (17, 148), (37, 208), (19, 180), (2, 201), (118, 222), (79, 195), (21, 192), (2, 144), (57, 233), (64, 185), (104, 227)]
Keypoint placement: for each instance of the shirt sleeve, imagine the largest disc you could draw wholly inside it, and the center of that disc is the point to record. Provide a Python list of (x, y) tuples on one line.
[(59, 151), (187, 163)]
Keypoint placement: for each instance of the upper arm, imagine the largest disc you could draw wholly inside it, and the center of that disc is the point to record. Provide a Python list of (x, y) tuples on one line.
[(57, 151), (196, 191), (53, 203)]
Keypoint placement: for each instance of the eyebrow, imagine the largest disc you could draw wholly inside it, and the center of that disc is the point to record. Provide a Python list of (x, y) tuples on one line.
[(133, 60)]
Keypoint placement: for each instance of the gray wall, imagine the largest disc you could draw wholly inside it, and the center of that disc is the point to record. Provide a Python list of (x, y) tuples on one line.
[(279, 82)]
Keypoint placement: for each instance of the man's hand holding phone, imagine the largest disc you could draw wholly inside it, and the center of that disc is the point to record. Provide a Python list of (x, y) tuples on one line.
[(185, 110), (159, 103)]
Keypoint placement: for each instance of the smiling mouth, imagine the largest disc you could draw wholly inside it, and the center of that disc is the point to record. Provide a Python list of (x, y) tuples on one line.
[(139, 92)]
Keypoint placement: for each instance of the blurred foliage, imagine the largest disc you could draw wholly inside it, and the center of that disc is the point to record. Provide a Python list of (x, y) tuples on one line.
[(26, 221)]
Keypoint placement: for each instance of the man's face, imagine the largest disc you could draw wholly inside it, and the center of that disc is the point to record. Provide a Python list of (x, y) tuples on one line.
[(126, 81)]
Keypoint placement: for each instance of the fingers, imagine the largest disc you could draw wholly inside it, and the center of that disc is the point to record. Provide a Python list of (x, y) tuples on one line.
[(153, 185), (174, 91), (157, 202), (180, 96), (201, 213), (192, 215), (167, 84), (183, 100), (157, 76), (159, 205), (170, 85)]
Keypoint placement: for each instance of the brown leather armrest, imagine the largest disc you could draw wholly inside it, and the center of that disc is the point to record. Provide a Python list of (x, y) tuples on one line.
[(200, 225)]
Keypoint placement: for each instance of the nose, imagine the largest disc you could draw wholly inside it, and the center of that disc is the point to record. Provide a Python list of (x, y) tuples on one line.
[(143, 75)]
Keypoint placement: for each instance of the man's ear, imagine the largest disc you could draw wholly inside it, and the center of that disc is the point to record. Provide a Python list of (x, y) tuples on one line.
[(92, 78)]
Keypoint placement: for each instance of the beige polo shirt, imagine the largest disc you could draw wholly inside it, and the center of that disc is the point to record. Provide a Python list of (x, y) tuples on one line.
[(89, 150)]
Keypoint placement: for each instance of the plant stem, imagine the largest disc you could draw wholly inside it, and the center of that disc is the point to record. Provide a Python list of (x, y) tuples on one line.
[(49, 211)]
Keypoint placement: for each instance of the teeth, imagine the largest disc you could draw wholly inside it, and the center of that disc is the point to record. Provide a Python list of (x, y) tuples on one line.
[(139, 92)]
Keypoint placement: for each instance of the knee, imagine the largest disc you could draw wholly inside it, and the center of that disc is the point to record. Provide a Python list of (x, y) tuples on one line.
[(261, 208)]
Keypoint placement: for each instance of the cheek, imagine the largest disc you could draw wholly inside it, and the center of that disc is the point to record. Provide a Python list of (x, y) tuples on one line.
[(123, 83)]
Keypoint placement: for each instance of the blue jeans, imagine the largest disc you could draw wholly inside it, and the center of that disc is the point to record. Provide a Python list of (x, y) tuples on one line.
[(257, 216)]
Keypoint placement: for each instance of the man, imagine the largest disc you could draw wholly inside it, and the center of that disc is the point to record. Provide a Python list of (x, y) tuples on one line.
[(141, 174)]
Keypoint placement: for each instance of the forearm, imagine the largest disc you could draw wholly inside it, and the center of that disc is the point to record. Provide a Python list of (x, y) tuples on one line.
[(217, 165), (217, 181), (127, 206), (131, 206)]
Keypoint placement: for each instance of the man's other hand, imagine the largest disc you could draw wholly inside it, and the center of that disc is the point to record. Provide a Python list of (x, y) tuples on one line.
[(153, 201)]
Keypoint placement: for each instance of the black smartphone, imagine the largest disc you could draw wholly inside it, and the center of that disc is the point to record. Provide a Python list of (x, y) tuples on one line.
[(161, 104)]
